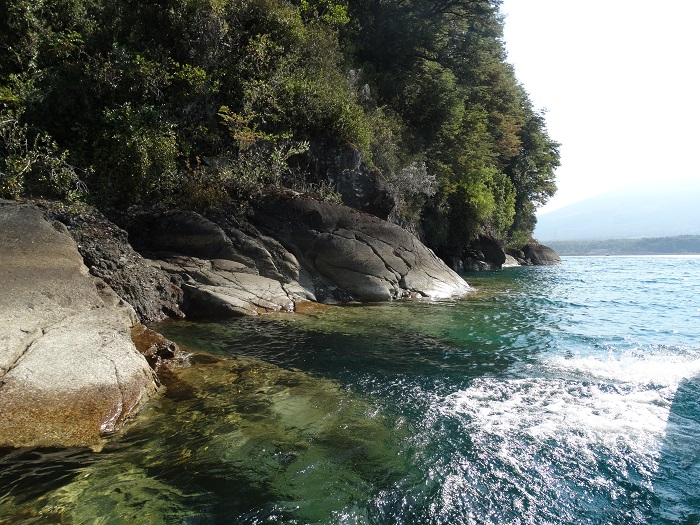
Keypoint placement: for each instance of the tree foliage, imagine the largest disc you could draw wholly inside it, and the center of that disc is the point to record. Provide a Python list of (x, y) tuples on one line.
[(204, 102), (441, 68)]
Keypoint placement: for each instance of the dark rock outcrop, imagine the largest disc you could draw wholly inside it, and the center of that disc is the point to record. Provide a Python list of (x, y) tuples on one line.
[(518, 256), (486, 254), (360, 185), (483, 254), (539, 254), (534, 254), (154, 294), (354, 255), (69, 371)]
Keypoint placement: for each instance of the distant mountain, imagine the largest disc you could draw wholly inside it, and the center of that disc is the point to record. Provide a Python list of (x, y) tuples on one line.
[(663, 211)]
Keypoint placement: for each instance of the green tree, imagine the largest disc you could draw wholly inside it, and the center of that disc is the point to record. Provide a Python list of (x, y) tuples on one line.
[(125, 99), (462, 110)]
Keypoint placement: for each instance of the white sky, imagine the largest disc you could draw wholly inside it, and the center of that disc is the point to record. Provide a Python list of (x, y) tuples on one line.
[(619, 79)]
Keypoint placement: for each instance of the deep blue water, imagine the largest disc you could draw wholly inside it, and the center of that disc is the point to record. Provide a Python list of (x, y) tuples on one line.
[(559, 395)]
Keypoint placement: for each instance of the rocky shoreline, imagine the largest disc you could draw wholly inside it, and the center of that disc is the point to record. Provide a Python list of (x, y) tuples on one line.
[(76, 293), (76, 360), (69, 371)]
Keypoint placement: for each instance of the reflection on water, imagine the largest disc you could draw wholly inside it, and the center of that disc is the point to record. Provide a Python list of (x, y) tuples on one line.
[(554, 395)]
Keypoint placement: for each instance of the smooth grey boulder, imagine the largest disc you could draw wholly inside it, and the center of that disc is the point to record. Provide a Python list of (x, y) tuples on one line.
[(359, 256), (69, 371)]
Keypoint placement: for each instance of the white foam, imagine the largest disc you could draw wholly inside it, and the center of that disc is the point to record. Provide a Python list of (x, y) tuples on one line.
[(616, 405), (637, 367), (565, 410)]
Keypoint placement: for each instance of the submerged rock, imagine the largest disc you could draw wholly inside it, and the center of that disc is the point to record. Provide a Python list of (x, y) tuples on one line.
[(226, 431), (154, 347), (69, 371)]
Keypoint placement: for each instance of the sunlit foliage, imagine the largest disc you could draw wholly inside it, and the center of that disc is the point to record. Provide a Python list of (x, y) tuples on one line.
[(205, 103)]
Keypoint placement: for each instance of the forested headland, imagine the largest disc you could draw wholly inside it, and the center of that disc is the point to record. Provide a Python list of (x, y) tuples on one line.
[(206, 104)]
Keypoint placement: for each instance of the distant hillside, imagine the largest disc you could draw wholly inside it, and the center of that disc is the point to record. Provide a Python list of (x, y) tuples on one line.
[(684, 244), (637, 212)]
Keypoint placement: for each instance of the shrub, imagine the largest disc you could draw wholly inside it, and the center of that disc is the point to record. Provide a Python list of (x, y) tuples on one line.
[(32, 164)]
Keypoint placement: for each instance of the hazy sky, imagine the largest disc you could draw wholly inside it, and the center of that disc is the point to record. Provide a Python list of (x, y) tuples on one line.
[(620, 80)]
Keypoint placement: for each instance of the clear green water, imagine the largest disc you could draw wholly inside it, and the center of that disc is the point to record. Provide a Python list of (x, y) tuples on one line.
[(560, 395)]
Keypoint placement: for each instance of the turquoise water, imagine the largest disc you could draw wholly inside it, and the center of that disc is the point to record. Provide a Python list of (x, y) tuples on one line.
[(564, 394)]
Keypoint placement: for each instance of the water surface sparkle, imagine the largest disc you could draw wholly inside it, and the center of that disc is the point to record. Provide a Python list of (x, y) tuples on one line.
[(559, 395)]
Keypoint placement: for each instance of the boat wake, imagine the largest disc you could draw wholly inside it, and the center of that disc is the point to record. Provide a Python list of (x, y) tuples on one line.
[(579, 439)]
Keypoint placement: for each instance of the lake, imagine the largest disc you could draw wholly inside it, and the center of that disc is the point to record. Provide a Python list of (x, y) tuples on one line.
[(562, 394)]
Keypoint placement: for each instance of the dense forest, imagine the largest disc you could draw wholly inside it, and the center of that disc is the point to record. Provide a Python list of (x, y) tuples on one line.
[(205, 104)]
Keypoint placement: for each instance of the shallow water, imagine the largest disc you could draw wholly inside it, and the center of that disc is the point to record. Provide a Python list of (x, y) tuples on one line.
[(564, 394)]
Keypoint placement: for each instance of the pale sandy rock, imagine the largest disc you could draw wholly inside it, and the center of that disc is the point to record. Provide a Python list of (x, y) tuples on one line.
[(68, 369), (511, 262)]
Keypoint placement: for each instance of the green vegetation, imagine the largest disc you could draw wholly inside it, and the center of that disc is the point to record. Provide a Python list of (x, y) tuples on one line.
[(206, 103), (683, 244)]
